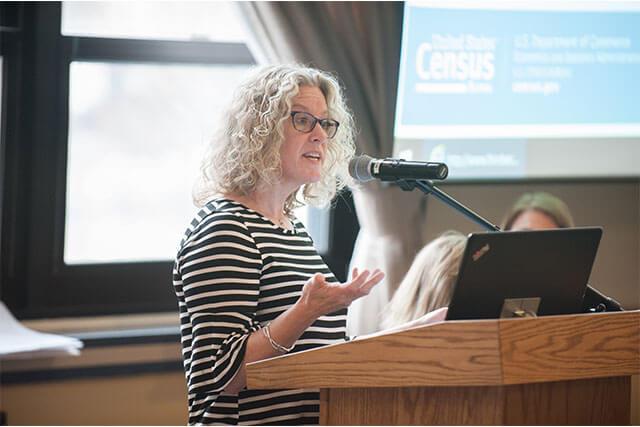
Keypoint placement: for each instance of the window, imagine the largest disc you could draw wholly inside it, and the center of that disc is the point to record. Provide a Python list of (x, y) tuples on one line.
[(168, 20), (122, 99), (137, 128), (112, 105), (136, 136)]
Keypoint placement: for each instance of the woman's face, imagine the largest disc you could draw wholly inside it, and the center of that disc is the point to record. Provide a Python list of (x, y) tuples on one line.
[(302, 154), (533, 219)]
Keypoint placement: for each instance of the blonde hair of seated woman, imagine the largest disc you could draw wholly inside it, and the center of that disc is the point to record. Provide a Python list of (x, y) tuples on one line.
[(428, 285)]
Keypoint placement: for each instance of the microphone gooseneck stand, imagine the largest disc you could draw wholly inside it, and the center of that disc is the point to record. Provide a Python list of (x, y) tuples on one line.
[(594, 301), (427, 187)]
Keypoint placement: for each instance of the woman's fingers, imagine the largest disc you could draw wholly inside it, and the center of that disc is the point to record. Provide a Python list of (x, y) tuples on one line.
[(358, 279), (373, 280), (362, 283), (317, 279), (324, 297)]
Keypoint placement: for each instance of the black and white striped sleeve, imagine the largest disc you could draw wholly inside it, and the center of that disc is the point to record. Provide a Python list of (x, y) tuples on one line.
[(217, 278)]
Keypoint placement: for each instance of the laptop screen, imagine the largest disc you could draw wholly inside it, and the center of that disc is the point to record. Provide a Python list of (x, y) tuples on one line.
[(542, 272)]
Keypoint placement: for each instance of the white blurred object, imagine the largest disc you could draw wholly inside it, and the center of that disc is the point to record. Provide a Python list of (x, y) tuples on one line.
[(164, 20), (20, 342), (434, 316)]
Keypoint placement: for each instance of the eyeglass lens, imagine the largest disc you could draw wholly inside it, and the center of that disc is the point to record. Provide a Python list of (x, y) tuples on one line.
[(305, 122)]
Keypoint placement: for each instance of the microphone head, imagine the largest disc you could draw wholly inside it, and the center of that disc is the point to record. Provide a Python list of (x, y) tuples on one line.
[(360, 168), (443, 171)]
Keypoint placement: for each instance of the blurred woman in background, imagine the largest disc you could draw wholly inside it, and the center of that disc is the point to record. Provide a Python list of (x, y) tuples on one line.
[(536, 211), (428, 285)]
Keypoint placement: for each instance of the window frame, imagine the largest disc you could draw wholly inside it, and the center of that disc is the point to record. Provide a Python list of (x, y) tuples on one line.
[(36, 282)]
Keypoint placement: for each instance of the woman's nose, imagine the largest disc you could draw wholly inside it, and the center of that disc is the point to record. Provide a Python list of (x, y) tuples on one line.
[(318, 134)]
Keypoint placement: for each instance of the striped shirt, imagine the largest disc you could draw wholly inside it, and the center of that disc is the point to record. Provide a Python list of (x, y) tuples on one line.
[(235, 271)]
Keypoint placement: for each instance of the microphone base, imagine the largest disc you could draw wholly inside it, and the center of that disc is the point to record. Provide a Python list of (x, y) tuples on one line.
[(596, 302)]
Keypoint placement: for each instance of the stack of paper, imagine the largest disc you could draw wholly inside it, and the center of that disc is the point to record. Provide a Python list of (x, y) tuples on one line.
[(19, 342)]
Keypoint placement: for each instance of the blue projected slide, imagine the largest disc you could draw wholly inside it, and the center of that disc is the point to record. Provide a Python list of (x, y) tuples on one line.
[(479, 80)]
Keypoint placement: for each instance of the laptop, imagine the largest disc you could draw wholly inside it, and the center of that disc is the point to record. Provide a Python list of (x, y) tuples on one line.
[(524, 273)]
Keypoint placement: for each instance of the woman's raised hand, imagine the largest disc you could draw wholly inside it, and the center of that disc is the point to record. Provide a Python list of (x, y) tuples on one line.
[(320, 297)]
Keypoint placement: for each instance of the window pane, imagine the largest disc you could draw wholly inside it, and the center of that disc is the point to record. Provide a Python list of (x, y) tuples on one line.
[(136, 136), (316, 221), (170, 20)]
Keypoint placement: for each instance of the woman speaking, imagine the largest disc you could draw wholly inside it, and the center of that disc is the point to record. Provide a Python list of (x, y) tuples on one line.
[(249, 282)]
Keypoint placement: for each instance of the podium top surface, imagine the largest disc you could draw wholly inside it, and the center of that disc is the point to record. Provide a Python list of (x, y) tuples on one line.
[(466, 353)]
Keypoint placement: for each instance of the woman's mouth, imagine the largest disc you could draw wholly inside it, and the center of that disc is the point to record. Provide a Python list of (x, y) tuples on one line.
[(313, 155)]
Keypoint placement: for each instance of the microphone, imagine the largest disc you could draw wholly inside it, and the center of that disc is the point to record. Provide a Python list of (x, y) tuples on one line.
[(364, 168)]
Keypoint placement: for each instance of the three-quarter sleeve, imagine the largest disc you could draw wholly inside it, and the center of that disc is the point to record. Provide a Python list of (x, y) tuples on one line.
[(216, 279)]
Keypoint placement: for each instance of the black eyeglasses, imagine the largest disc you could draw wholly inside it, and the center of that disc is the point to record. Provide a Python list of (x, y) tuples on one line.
[(305, 122)]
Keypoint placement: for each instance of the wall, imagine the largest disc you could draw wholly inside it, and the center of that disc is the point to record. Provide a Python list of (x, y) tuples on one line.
[(150, 399), (119, 378), (614, 205)]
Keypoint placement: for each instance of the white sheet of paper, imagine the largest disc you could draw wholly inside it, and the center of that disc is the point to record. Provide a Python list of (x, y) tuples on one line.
[(18, 341)]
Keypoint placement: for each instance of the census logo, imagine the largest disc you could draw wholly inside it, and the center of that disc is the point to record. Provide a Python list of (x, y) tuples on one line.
[(463, 63)]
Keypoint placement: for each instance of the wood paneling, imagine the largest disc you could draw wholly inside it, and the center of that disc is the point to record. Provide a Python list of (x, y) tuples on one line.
[(535, 372), (99, 356), (154, 399), (570, 347), (414, 406), (472, 353), (601, 401), (104, 323), (448, 353)]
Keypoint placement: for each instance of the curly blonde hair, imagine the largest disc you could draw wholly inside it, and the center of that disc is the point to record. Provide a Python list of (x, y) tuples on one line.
[(246, 151), (428, 285)]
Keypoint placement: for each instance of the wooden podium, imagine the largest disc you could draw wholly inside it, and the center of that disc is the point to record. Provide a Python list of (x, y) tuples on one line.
[(550, 370)]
